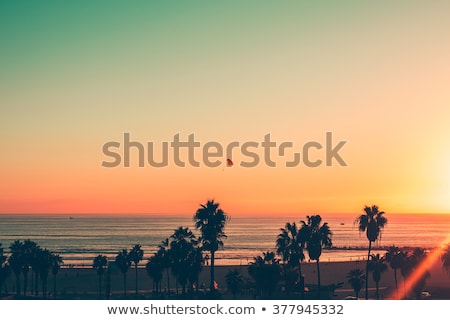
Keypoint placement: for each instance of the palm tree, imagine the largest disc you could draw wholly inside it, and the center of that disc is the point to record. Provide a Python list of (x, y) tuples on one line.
[(316, 237), (234, 282), (417, 257), (372, 222), (28, 254), (290, 245), (4, 269), (196, 262), (155, 269), (123, 262), (136, 254), (396, 257), (211, 221), (56, 262), (164, 252), (266, 273), (182, 243), (445, 257), (99, 264), (356, 279), (378, 266), (44, 264), (16, 262)]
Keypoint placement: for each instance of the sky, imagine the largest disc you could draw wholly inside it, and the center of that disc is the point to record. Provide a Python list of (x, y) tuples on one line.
[(78, 74)]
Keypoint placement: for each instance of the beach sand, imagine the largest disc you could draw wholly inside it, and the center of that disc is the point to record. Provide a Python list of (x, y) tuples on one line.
[(82, 283)]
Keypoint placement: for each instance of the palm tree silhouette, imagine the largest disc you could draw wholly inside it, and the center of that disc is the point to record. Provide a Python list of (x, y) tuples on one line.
[(316, 237), (417, 257), (16, 261), (234, 282), (28, 254), (56, 262), (136, 254), (378, 266), (356, 279), (164, 252), (396, 257), (372, 222), (182, 243), (44, 257), (196, 262), (123, 262), (4, 269), (290, 245), (211, 221), (155, 269), (99, 264), (266, 273), (445, 257)]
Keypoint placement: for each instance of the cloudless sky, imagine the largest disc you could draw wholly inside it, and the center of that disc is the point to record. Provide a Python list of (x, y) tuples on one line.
[(77, 74)]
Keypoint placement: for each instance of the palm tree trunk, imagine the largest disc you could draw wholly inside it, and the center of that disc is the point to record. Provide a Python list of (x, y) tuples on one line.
[(378, 294), (124, 284), (99, 286), (367, 270), (318, 279), (211, 285), (136, 277), (32, 282), (168, 279), (36, 283), (395, 278), (54, 286), (25, 282), (44, 287), (18, 284), (301, 279)]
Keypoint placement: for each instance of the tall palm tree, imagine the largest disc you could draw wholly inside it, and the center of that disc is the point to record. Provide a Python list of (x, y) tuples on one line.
[(123, 262), (356, 279), (44, 257), (4, 268), (378, 266), (290, 245), (16, 261), (56, 262), (154, 268), (164, 252), (317, 236), (99, 264), (396, 257), (211, 221), (196, 262), (136, 255), (182, 243), (445, 257), (28, 254), (372, 222), (417, 257)]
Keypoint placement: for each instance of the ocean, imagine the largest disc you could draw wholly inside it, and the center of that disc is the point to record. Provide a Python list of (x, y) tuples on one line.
[(79, 238)]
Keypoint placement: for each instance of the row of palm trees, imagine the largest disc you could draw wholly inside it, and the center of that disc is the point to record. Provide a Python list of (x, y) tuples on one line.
[(397, 259), (181, 254), (26, 256)]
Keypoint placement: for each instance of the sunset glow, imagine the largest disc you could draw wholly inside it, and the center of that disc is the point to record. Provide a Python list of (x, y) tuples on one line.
[(375, 76)]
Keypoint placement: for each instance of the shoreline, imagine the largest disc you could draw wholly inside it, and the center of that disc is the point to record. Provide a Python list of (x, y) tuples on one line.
[(82, 283)]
